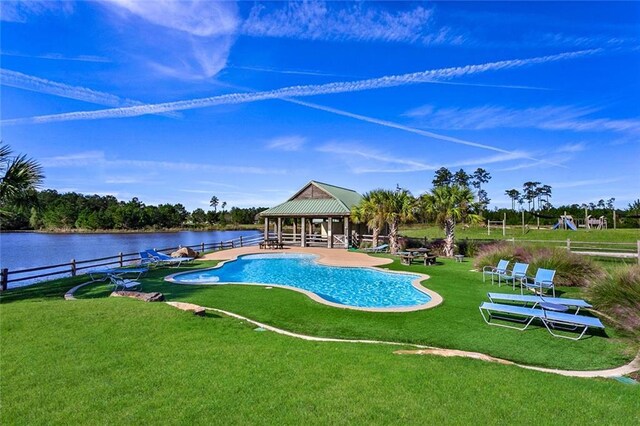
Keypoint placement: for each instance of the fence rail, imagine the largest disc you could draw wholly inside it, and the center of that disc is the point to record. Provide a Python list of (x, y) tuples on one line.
[(73, 267)]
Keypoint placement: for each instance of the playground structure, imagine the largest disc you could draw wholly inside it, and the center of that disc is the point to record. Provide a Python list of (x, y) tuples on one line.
[(593, 223), (565, 222)]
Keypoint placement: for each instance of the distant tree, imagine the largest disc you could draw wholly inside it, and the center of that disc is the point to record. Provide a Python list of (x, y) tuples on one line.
[(601, 204), (610, 204), (530, 193), (443, 177), (544, 193), (214, 203), (480, 177), (224, 204), (514, 195), (20, 178), (461, 178), (198, 217), (450, 204)]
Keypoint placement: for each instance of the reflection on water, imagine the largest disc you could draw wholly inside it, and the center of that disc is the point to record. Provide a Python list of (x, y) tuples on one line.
[(21, 250)]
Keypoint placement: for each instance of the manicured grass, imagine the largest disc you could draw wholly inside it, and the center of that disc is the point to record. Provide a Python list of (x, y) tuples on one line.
[(476, 232), (121, 361), (455, 324)]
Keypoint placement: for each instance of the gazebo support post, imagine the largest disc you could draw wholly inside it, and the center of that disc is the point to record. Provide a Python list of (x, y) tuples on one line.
[(266, 228), (279, 230), (295, 232), (303, 234), (329, 232), (347, 236)]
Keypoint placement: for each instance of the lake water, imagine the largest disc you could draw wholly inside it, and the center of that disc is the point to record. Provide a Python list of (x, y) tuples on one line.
[(21, 250)]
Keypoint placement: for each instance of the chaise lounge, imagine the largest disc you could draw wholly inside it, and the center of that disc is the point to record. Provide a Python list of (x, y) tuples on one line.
[(535, 301), (168, 260), (549, 318)]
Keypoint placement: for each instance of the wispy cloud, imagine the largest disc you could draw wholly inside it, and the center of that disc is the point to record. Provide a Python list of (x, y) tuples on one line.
[(585, 182), (98, 159), (287, 143), (285, 71), (41, 85), (187, 40), (578, 119), (378, 161), (319, 20), (21, 11), (59, 57), (299, 91), (572, 147)]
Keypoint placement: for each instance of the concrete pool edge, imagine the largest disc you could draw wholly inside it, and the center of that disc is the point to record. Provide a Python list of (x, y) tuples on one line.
[(322, 258)]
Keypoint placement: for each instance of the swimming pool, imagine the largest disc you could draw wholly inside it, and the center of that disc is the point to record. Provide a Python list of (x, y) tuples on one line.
[(353, 287)]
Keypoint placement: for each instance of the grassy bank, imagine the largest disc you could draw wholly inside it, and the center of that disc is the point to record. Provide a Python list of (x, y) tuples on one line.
[(121, 361), (455, 324)]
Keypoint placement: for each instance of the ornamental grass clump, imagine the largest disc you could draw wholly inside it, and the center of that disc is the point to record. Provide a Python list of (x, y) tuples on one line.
[(618, 295), (572, 270)]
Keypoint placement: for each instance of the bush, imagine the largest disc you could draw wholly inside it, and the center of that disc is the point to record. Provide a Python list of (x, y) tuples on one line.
[(618, 295), (572, 270)]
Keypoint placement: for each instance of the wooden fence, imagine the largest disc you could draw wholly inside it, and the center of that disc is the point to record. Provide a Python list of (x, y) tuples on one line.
[(75, 267)]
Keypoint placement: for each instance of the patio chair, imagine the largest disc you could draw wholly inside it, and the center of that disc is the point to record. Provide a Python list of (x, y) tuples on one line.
[(378, 249), (535, 301), (146, 259), (103, 274), (542, 281), (168, 260), (501, 268), (518, 272), (550, 319), (120, 282)]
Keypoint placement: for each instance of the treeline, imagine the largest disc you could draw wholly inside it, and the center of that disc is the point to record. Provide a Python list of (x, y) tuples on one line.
[(72, 211)]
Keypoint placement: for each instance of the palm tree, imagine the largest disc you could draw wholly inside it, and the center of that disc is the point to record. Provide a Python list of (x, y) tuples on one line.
[(214, 203), (369, 212), (397, 207), (21, 176), (450, 204)]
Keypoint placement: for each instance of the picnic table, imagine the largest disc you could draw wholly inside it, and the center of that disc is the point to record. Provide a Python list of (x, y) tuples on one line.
[(424, 254)]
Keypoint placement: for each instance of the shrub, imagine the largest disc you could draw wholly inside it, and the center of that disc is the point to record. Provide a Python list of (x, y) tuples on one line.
[(571, 269), (618, 295)]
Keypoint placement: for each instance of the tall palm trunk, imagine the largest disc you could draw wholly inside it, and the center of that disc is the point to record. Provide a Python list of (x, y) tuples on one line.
[(393, 235), (375, 236), (449, 229)]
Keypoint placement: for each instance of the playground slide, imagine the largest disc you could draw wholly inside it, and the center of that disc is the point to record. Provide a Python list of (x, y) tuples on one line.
[(571, 226), (556, 225)]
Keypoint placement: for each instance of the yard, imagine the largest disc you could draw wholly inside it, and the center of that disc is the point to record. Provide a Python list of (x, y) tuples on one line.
[(114, 360)]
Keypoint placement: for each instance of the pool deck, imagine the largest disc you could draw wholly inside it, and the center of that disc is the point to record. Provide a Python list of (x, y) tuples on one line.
[(326, 256)]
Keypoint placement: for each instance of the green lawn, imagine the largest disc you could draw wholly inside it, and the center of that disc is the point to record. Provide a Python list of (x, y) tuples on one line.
[(455, 324), (121, 361)]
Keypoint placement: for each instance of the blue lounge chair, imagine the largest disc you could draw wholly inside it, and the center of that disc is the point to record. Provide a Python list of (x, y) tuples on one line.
[(550, 319), (378, 249), (537, 300), (168, 260), (147, 259), (518, 272), (542, 281), (501, 268), (125, 284), (103, 274)]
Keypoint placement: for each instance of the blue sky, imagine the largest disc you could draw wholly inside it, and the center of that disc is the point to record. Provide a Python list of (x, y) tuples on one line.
[(178, 101)]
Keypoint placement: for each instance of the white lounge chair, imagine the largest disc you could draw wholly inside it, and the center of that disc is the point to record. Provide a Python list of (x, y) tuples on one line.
[(550, 319)]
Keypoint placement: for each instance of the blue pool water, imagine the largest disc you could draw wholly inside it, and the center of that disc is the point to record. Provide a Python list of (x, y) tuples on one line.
[(360, 287)]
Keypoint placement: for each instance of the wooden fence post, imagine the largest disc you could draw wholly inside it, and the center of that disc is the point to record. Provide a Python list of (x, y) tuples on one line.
[(121, 262), (638, 252), (4, 276), (73, 267), (240, 240), (569, 244), (221, 245), (202, 248), (232, 244)]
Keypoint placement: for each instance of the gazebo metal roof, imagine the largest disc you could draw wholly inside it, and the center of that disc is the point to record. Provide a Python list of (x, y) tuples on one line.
[(334, 201)]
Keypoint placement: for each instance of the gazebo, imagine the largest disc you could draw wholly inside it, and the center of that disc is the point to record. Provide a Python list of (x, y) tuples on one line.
[(319, 213)]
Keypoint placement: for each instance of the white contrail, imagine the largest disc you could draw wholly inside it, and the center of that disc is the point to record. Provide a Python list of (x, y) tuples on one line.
[(298, 91), (36, 84), (420, 132)]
